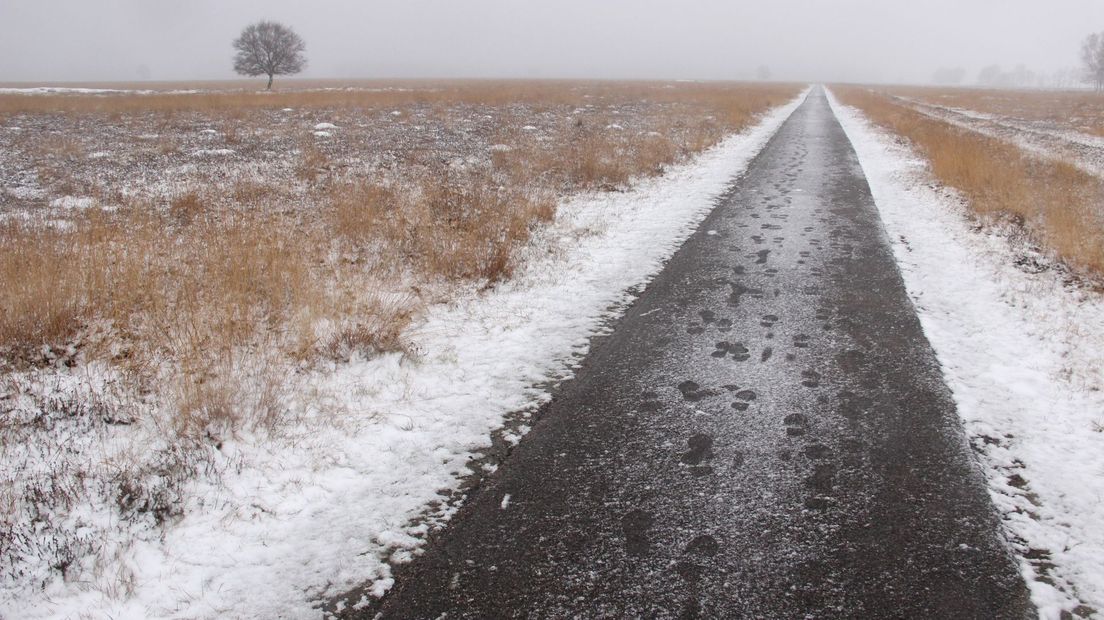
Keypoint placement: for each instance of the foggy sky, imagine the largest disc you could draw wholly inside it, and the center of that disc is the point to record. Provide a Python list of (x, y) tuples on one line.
[(808, 40)]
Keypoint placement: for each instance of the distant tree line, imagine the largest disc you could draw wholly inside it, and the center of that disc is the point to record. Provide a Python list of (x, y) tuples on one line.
[(1091, 72), (996, 76)]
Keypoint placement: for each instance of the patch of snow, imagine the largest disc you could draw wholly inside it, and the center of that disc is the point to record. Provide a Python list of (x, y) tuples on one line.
[(59, 90), (322, 134), (53, 90), (324, 126), (213, 152), (1022, 353), (209, 132), (73, 202), (99, 154), (529, 128), (315, 510), (505, 501), (614, 126), (396, 113), (25, 192)]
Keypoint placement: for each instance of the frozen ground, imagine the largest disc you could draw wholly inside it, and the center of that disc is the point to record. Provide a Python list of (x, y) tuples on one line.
[(1022, 351), (270, 157), (275, 524), (1041, 137)]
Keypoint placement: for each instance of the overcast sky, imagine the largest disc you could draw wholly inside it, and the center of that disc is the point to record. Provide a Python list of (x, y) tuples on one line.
[(821, 40)]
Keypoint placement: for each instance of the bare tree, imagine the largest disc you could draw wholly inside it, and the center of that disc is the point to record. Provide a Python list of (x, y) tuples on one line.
[(268, 48), (1092, 59)]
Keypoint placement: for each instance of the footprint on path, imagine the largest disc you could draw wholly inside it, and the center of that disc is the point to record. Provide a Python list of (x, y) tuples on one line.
[(635, 526), (823, 478), (817, 451), (743, 400), (701, 449), (737, 350), (796, 424), (693, 392), (703, 545), (810, 378), (738, 292)]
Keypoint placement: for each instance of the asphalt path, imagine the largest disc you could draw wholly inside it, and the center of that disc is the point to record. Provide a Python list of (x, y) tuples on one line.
[(766, 433)]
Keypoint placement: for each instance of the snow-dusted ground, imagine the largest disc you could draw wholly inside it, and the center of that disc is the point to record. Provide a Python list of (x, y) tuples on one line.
[(1023, 354), (322, 506), (1038, 137), (71, 90), (67, 90)]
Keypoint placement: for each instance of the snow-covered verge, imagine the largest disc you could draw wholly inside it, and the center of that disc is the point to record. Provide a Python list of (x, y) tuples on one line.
[(322, 505), (1023, 353)]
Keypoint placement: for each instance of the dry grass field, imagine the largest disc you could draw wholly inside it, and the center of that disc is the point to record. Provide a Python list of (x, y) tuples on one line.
[(1074, 110), (1057, 204), (172, 235)]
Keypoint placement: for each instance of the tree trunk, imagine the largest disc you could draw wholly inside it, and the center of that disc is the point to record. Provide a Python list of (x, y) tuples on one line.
[(269, 87)]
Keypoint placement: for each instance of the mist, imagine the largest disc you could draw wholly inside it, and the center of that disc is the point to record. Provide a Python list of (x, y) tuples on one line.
[(895, 41)]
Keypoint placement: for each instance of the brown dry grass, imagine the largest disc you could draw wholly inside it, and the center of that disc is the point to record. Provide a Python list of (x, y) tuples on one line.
[(1058, 204), (209, 296), (732, 99), (1076, 110), (205, 299)]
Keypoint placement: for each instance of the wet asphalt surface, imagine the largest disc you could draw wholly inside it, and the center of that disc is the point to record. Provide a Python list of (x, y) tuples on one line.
[(766, 433)]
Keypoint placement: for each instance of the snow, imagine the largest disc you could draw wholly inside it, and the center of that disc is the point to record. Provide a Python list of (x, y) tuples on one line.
[(213, 152), (324, 126), (60, 90), (51, 90), (322, 506), (322, 134), (1023, 354), (73, 202)]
